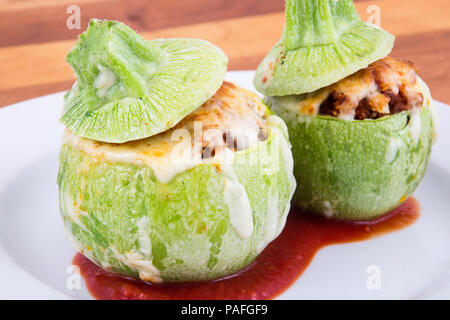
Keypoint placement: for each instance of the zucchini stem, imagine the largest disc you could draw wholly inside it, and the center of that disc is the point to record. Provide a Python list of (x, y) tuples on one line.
[(111, 62), (317, 22)]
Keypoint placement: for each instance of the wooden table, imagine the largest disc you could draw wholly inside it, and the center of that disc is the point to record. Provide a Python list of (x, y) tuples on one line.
[(35, 39)]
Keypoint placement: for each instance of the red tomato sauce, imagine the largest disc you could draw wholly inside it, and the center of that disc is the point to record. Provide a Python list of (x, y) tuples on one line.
[(275, 269)]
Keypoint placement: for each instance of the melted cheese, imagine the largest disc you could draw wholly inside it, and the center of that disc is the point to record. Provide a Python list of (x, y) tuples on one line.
[(144, 241), (139, 261), (104, 81), (370, 85), (347, 116), (271, 222), (230, 107), (294, 106), (328, 210), (275, 223), (278, 127), (165, 157), (236, 199), (136, 261), (393, 149), (231, 110), (415, 125)]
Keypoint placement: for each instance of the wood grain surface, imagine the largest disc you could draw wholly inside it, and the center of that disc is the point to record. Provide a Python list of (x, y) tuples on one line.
[(34, 38)]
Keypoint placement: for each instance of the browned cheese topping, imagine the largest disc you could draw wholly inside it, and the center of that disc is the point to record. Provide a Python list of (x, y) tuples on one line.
[(233, 118), (385, 87)]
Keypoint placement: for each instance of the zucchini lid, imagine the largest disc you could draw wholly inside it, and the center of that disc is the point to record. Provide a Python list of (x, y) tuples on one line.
[(129, 88), (323, 41)]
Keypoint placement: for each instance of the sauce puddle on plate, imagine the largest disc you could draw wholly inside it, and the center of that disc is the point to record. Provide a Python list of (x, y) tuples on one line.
[(274, 271)]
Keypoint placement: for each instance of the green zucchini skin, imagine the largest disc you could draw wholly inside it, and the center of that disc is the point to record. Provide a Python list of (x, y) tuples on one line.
[(187, 223), (357, 170)]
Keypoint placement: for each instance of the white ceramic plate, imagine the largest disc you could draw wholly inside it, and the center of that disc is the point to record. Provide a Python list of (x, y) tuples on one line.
[(35, 257)]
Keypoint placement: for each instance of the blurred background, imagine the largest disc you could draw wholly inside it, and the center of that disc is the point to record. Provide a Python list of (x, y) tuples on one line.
[(36, 34)]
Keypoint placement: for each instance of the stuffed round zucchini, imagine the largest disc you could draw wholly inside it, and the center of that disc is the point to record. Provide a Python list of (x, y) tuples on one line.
[(162, 209), (361, 124), (360, 149), (197, 201)]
